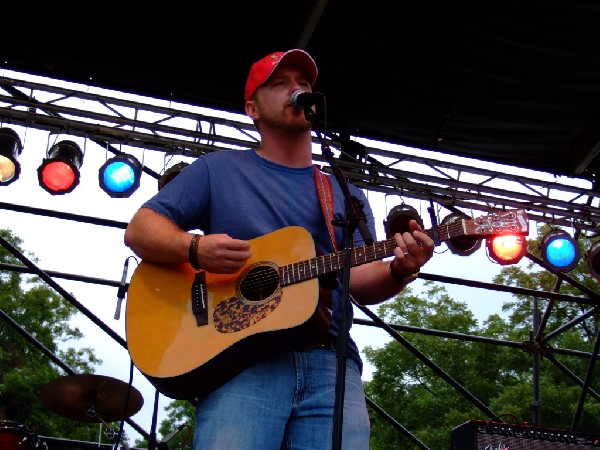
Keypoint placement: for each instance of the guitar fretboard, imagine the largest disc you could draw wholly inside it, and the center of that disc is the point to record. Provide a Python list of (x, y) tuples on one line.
[(321, 265)]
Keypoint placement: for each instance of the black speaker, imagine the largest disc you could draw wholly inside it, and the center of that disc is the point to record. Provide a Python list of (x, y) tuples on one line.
[(482, 435)]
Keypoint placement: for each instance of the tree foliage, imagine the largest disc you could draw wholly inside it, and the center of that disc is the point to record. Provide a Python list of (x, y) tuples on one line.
[(498, 374), (24, 369), (179, 420)]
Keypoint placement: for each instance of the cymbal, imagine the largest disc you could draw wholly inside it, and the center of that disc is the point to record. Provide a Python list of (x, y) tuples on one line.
[(74, 396)]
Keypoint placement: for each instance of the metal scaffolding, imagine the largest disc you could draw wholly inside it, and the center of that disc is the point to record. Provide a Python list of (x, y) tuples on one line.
[(112, 121)]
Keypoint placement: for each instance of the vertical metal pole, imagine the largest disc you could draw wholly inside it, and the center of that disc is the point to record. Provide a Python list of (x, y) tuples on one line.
[(152, 437), (535, 405), (586, 383)]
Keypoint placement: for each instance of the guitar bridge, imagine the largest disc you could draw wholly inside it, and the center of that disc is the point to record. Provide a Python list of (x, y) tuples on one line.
[(200, 299)]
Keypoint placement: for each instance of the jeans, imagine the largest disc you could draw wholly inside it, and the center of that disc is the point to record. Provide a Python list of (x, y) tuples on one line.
[(284, 402)]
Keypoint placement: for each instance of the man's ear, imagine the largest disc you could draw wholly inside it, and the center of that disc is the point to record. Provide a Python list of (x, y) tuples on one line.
[(251, 110)]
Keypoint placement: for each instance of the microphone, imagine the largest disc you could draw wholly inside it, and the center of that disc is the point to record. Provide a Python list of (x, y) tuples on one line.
[(303, 99), (122, 290)]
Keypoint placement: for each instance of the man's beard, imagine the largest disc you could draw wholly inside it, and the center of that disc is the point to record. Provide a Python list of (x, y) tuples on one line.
[(293, 124)]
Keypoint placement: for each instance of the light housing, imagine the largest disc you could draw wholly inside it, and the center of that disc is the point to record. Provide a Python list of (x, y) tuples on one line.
[(461, 245), (593, 260), (560, 251), (59, 172), (398, 218), (507, 249), (10, 149), (120, 176), (171, 173)]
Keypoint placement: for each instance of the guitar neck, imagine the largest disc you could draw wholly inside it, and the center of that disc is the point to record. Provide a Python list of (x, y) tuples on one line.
[(493, 224), (332, 262)]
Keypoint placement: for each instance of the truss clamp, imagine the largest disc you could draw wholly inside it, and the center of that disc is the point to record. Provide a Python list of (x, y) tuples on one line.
[(536, 347)]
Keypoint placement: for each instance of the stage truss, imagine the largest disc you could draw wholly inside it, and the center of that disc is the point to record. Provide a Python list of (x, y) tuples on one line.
[(113, 122)]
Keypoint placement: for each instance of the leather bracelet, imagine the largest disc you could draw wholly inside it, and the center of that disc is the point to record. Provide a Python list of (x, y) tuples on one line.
[(193, 253), (403, 279)]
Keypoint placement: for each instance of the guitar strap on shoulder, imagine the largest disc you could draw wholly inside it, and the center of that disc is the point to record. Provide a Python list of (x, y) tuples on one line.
[(325, 193), (319, 324)]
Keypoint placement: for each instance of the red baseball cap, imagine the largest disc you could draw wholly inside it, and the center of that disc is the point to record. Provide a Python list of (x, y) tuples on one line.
[(262, 69)]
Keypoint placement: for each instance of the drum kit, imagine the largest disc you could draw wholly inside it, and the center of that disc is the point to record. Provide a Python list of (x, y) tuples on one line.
[(86, 398)]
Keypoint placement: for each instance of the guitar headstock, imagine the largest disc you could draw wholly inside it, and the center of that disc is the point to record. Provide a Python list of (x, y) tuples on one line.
[(504, 222)]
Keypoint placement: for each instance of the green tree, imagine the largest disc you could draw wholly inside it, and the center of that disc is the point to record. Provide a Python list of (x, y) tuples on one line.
[(180, 413), (559, 396), (499, 376), (24, 369), (414, 394)]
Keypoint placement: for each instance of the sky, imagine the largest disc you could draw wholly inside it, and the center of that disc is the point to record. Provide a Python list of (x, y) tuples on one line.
[(98, 251)]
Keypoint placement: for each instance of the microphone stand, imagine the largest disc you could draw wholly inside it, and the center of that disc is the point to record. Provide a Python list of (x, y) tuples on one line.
[(355, 219)]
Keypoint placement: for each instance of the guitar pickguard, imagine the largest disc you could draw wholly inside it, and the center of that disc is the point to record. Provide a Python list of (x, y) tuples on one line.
[(234, 314)]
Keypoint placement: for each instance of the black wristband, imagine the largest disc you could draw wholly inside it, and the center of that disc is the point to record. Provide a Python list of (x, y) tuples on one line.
[(193, 255), (403, 279)]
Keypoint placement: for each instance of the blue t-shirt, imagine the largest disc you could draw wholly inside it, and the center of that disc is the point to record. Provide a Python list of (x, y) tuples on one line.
[(245, 196)]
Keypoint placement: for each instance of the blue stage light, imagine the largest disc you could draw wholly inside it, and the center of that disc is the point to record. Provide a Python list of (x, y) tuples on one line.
[(560, 251), (119, 177)]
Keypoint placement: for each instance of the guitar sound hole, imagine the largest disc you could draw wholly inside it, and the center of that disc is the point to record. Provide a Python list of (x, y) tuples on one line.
[(259, 283)]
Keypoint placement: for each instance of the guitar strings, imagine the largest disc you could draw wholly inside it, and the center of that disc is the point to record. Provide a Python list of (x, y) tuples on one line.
[(324, 264), (320, 265)]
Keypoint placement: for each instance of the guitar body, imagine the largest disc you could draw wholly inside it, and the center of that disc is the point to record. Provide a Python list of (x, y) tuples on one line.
[(184, 359)]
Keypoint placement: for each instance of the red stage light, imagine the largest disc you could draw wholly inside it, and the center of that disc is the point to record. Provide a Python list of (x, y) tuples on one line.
[(58, 176), (59, 173), (507, 249)]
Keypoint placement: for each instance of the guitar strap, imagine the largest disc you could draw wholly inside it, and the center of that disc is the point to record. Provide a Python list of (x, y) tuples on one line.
[(319, 324), (325, 193)]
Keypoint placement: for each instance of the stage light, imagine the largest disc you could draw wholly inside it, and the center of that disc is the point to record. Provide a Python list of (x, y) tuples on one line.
[(560, 251), (10, 149), (59, 172), (120, 176), (461, 245), (171, 173), (507, 248), (593, 260), (398, 218)]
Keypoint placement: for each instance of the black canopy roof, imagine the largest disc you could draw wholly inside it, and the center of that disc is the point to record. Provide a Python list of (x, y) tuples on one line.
[(511, 81)]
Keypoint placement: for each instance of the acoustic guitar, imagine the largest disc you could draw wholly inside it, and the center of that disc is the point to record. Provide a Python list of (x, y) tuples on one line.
[(189, 332)]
